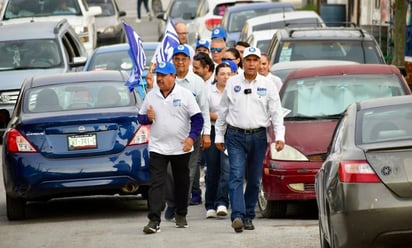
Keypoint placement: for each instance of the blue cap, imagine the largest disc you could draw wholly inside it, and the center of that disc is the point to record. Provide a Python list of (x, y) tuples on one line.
[(165, 68), (181, 49), (203, 43), (219, 33), (233, 65)]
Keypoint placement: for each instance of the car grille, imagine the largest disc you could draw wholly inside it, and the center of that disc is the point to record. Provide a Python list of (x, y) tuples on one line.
[(9, 97)]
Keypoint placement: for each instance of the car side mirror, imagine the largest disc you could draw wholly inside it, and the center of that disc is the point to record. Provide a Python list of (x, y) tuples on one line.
[(122, 13), (78, 61)]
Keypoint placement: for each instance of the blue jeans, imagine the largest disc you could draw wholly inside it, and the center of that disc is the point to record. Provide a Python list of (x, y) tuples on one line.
[(217, 176), (246, 152)]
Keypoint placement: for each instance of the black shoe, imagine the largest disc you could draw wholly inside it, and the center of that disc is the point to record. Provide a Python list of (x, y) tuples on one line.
[(248, 224), (181, 221), (152, 227), (237, 225)]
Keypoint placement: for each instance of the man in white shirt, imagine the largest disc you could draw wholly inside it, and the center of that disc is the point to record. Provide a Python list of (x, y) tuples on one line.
[(249, 104)]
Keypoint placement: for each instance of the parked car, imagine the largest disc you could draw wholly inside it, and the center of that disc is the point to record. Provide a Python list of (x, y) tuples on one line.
[(74, 134), (236, 16), (179, 11), (282, 69), (116, 57), (261, 39), (109, 24), (363, 188), (326, 43), (78, 14), (209, 15), (54, 47), (301, 18), (315, 99)]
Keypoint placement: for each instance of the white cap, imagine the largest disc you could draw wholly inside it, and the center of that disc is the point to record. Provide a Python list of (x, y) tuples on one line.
[(251, 51)]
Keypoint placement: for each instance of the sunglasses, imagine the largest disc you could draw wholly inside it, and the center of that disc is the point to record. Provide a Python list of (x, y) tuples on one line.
[(216, 50)]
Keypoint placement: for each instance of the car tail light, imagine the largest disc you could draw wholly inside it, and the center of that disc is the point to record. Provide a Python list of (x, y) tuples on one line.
[(141, 137), (357, 171), (212, 23), (17, 143)]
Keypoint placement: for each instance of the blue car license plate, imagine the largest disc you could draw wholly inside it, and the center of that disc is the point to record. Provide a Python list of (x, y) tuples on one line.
[(79, 142)]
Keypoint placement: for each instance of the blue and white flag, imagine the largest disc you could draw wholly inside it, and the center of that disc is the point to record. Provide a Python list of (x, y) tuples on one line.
[(137, 56), (164, 51)]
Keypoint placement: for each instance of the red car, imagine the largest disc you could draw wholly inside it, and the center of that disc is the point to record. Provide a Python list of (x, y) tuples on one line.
[(316, 98)]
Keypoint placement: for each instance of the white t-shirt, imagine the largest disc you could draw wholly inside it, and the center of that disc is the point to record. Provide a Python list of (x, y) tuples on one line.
[(172, 119)]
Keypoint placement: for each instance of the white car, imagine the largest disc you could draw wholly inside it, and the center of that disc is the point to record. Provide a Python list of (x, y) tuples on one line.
[(79, 15), (210, 12), (301, 18), (261, 39)]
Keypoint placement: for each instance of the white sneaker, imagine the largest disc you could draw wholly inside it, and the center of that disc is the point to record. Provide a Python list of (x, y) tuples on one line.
[(138, 20), (211, 213), (221, 210)]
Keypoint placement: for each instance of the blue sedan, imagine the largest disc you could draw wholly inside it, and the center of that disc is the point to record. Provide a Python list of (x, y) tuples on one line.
[(74, 134)]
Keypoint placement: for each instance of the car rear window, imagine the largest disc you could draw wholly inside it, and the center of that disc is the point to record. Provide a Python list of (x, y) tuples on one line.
[(75, 96), (331, 95), (363, 52), (385, 124)]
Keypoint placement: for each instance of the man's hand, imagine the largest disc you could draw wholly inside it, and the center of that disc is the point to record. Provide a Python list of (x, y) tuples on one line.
[(151, 114), (220, 146), (279, 145), (206, 142), (188, 144), (149, 76)]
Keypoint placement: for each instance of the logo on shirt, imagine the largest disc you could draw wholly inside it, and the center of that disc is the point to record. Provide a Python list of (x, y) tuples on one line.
[(261, 91), (237, 88), (177, 102)]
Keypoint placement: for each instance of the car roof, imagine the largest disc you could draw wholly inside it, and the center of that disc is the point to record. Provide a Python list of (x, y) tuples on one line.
[(308, 63), (282, 16), (259, 5), (19, 31), (321, 33), (124, 46), (380, 102), (75, 77), (343, 69)]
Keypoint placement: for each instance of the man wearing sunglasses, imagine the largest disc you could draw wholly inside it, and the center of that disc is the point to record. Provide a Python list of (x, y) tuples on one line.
[(218, 45)]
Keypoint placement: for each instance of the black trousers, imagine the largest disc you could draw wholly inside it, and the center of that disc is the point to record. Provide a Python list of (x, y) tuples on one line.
[(158, 175)]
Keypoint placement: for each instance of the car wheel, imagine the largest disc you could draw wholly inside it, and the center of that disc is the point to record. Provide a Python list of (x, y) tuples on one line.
[(271, 209), (16, 208), (122, 38)]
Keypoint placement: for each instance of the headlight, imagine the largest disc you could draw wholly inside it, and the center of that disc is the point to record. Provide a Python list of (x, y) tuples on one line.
[(288, 153)]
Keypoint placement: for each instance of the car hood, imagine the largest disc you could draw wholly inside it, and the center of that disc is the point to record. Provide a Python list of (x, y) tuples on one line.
[(310, 137), (392, 164), (106, 21), (10, 80)]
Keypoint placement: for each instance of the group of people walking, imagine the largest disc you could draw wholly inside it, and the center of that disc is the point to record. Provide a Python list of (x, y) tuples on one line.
[(210, 101)]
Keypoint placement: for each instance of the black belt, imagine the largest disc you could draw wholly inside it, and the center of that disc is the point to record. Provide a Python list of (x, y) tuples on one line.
[(246, 131)]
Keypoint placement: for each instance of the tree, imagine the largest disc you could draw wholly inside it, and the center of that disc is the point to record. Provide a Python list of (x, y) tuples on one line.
[(399, 32)]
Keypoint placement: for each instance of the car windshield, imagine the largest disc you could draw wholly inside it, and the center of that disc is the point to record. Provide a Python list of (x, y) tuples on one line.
[(363, 52), (106, 5), (237, 19), (263, 45), (384, 124), (330, 95), (32, 8), (184, 9), (85, 95), (29, 54)]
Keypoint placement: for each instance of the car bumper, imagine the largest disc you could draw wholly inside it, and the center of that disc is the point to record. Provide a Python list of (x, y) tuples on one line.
[(373, 217), (32, 176), (286, 180)]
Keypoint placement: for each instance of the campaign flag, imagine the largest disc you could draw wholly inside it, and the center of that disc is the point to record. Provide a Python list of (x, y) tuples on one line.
[(137, 56), (164, 51)]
